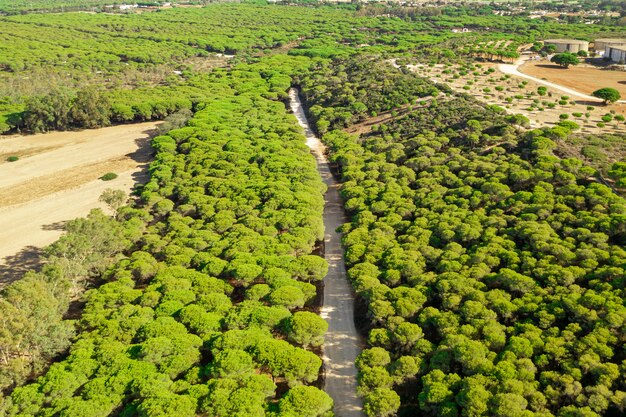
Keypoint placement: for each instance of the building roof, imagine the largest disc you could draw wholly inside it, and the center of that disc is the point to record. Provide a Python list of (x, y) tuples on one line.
[(611, 40), (570, 41)]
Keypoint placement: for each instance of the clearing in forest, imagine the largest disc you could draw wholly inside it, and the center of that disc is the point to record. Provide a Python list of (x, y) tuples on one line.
[(55, 179)]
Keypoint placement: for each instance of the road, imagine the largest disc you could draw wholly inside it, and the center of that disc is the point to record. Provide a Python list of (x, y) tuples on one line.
[(343, 343), (56, 179), (513, 69)]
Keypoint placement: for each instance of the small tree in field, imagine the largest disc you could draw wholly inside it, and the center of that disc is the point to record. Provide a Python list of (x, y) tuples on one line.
[(609, 95), (565, 59), (113, 198)]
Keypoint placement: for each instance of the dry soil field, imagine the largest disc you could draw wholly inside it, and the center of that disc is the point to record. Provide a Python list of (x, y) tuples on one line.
[(57, 179), (583, 78), (519, 95)]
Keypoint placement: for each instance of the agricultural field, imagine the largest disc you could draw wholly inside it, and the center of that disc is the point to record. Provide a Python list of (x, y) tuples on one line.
[(583, 78), (350, 210), (541, 105)]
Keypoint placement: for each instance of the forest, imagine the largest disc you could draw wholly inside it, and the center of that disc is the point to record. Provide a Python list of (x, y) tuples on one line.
[(147, 64), (488, 267), (204, 288), (491, 272)]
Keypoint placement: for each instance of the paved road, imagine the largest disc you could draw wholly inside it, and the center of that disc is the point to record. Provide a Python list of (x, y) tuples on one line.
[(343, 343), (513, 69)]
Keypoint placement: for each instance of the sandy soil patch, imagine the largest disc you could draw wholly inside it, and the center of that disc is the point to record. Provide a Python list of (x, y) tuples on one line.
[(519, 96), (56, 180), (583, 78)]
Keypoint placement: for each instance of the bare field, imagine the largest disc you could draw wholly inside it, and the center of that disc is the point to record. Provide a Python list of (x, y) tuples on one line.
[(56, 179), (519, 95), (583, 78)]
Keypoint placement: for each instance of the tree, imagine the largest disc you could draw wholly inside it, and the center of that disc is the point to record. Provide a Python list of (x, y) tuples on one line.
[(381, 402), (609, 95), (303, 401), (306, 328), (565, 59), (113, 198), (90, 109)]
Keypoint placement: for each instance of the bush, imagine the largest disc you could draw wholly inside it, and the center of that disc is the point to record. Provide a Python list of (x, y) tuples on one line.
[(607, 118), (564, 116), (619, 118), (12, 158), (109, 176)]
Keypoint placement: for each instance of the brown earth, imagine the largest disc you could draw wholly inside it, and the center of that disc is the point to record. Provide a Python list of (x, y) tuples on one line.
[(483, 88), (56, 179), (583, 78)]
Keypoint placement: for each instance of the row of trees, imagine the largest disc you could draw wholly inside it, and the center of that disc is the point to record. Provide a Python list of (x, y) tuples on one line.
[(491, 270)]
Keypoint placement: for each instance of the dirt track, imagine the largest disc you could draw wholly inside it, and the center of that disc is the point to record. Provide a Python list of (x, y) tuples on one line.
[(343, 343), (56, 179)]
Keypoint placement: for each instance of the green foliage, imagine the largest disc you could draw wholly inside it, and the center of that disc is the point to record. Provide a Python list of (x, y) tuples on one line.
[(13, 158), (609, 95), (487, 265), (306, 329), (565, 59), (233, 200), (109, 176)]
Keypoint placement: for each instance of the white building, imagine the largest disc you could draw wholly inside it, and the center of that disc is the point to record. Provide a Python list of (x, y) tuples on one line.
[(616, 53)]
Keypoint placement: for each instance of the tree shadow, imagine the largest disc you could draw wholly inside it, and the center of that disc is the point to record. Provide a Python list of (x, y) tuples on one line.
[(589, 103), (54, 226), (143, 156), (15, 266), (621, 82), (554, 66)]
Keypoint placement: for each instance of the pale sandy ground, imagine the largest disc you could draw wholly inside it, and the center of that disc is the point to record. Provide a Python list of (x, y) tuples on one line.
[(343, 343), (56, 179), (546, 118)]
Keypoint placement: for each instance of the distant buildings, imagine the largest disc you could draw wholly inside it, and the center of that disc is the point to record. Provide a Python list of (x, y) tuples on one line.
[(568, 45), (616, 53)]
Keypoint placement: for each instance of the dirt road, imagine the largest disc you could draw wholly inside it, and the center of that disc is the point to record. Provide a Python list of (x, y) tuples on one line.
[(56, 179), (343, 343)]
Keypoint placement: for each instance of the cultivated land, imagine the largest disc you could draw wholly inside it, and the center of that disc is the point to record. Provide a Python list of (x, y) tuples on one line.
[(519, 96), (583, 78), (56, 179)]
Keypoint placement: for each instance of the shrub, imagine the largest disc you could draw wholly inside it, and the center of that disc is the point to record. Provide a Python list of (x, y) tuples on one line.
[(12, 158), (109, 176), (607, 118), (619, 118), (577, 114), (563, 116)]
